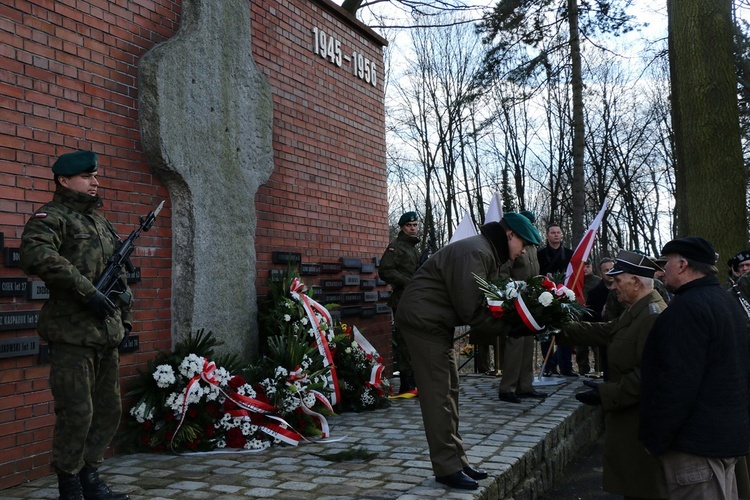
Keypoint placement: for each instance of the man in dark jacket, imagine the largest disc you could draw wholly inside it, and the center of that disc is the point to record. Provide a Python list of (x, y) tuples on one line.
[(67, 244), (694, 378), (442, 295), (398, 265)]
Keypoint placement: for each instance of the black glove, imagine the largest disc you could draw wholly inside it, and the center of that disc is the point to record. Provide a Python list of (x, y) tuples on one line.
[(589, 397), (124, 340), (100, 304), (519, 331)]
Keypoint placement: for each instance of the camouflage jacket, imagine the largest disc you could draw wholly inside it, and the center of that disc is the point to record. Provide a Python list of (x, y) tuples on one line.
[(67, 243), (398, 265)]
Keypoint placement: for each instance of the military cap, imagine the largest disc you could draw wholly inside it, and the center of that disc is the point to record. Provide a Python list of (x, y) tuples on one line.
[(521, 225), (633, 263), (408, 217), (741, 257), (75, 163), (693, 248)]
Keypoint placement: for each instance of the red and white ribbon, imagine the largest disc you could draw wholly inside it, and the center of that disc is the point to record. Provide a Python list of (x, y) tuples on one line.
[(526, 316), (376, 374), (297, 291)]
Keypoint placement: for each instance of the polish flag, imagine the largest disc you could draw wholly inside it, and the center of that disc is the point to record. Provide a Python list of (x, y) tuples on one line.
[(574, 274)]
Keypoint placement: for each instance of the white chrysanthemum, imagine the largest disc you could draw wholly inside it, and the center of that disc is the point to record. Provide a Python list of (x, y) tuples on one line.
[(222, 375), (191, 365), (355, 344), (545, 299), (139, 412), (196, 393), (304, 320), (570, 294), (306, 362), (247, 390), (164, 376), (329, 336), (245, 428), (309, 400), (287, 318), (511, 292), (281, 372), (367, 398), (221, 443), (212, 393), (348, 350), (256, 444)]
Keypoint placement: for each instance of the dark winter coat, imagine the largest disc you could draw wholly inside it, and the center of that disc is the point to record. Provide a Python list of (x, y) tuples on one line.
[(694, 387), (398, 265)]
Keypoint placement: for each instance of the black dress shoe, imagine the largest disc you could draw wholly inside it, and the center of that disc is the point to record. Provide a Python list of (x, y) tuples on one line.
[(509, 397), (551, 373), (533, 394), (458, 480), (94, 488), (569, 373), (475, 474)]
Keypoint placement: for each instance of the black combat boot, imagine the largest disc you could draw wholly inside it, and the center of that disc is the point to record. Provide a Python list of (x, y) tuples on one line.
[(69, 486), (94, 488)]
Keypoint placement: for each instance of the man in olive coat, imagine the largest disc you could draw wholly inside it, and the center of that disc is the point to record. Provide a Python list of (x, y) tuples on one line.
[(444, 294), (67, 244), (398, 265), (628, 469)]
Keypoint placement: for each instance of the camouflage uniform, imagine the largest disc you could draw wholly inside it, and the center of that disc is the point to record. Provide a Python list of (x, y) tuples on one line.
[(67, 244), (398, 265)]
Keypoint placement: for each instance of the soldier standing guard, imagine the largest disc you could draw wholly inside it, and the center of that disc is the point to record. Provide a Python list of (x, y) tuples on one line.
[(398, 265), (67, 244)]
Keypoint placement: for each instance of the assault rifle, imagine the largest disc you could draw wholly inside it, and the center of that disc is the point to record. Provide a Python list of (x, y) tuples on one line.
[(111, 280), (429, 249)]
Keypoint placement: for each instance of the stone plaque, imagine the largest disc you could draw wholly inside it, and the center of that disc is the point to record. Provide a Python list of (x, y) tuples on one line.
[(135, 276), (14, 287), (367, 312), (38, 290), (332, 298), (376, 261), (25, 346), (382, 308), (367, 284), (132, 343), (275, 275), (317, 291), (384, 294), (12, 256), (348, 312), (330, 267), (335, 315), (351, 263), (286, 257), (332, 284), (380, 282), (351, 279), (351, 298), (18, 320), (309, 269), (370, 296), (367, 268)]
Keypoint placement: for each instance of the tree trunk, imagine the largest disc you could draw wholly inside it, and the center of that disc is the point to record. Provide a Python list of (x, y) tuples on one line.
[(710, 177), (578, 187)]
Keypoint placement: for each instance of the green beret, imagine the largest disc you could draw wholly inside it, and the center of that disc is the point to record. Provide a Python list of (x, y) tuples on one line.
[(529, 215), (408, 217), (522, 226), (75, 163)]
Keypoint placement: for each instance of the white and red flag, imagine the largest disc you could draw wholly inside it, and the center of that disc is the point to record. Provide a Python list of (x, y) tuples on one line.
[(574, 274)]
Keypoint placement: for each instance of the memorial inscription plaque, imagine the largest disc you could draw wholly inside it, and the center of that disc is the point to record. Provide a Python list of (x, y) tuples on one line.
[(286, 257), (382, 308), (384, 294), (330, 267), (367, 284), (25, 346), (367, 312), (14, 287), (12, 256), (38, 290), (351, 263), (332, 284), (348, 312), (370, 296), (351, 298), (309, 269), (18, 320), (351, 279), (367, 268)]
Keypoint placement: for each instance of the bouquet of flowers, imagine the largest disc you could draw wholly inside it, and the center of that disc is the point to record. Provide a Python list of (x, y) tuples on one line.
[(537, 302)]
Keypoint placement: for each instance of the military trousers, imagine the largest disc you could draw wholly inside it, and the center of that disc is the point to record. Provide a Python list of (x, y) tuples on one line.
[(401, 352), (436, 370), (86, 388), (692, 476), (518, 371)]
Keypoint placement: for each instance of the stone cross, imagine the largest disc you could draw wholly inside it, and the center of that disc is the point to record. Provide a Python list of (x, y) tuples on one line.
[(206, 127)]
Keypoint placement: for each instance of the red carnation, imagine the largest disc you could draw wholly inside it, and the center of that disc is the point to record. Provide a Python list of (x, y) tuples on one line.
[(169, 416), (235, 439), (147, 425), (192, 412), (145, 439), (209, 430), (548, 284)]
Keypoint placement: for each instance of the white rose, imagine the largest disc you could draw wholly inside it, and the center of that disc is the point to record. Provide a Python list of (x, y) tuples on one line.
[(545, 299), (570, 294)]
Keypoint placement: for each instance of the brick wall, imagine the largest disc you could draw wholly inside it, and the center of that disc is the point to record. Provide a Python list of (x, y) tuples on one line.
[(68, 80)]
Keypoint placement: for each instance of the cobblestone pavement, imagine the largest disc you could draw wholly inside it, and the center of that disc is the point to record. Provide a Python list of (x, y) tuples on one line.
[(520, 445)]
